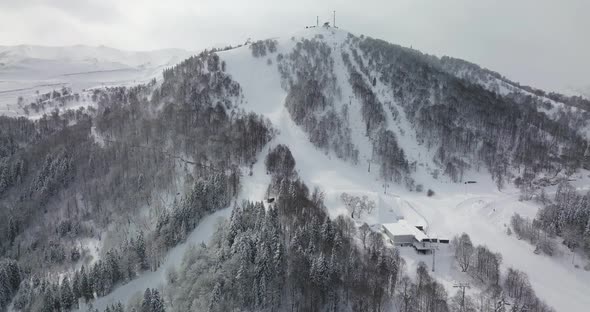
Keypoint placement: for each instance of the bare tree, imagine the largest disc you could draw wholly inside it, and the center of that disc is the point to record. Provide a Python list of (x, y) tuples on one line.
[(463, 251), (365, 230)]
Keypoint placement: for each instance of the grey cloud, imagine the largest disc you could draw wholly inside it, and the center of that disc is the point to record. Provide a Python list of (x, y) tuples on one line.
[(89, 11), (537, 42)]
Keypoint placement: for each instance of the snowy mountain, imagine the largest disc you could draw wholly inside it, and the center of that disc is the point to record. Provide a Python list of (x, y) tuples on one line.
[(15, 56), (297, 143), (478, 209), (574, 107), (27, 71), (583, 91)]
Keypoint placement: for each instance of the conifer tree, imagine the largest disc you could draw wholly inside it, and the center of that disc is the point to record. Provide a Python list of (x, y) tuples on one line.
[(66, 295)]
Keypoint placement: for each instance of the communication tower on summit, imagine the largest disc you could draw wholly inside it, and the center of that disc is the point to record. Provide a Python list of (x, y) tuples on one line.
[(326, 24), (334, 23)]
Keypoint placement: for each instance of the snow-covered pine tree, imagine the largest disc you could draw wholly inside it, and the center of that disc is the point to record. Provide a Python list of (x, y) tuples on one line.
[(66, 294)]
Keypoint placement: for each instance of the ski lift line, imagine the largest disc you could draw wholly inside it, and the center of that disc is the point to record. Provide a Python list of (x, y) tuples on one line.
[(167, 154)]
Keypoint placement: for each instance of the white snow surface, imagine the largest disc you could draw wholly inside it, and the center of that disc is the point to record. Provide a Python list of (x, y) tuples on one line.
[(477, 209), (26, 70)]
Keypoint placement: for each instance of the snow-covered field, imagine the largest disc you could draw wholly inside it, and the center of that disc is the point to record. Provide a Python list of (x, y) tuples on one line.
[(477, 209), (26, 71)]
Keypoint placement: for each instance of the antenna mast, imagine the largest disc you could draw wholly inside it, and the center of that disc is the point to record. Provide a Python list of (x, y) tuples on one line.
[(334, 18)]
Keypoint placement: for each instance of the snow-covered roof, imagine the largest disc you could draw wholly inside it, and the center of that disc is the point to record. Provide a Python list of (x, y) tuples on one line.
[(402, 227)]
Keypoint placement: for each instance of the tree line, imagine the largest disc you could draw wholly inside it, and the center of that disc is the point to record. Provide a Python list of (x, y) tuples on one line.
[(511, 292), (567, 216)]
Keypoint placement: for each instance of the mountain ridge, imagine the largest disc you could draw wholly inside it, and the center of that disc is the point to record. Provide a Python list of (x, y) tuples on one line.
[(12, 54)]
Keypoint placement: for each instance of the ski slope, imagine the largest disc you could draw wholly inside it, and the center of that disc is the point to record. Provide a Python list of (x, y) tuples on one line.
[(477, 209)]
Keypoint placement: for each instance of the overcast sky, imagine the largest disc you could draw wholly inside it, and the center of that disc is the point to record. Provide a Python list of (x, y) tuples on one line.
[(544, 43)]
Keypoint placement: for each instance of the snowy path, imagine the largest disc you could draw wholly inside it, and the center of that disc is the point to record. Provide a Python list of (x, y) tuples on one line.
[(123, 293)]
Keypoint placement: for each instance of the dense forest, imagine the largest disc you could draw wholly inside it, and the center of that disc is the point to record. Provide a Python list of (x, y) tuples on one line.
[(473, 72), (568, 216), (465, 125), (468, 125), (307, 74), (287, 255)]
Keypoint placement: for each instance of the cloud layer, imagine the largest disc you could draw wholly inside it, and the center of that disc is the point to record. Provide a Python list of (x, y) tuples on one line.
[(539, 42)]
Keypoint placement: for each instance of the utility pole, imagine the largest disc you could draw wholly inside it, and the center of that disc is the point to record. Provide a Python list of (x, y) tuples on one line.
[(462, 286), (433, 255), (317, 21)]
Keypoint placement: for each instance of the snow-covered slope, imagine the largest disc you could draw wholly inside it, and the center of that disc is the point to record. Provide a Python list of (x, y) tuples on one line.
[(17, 56), (27, 71), (478, 209), (553, 105)]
